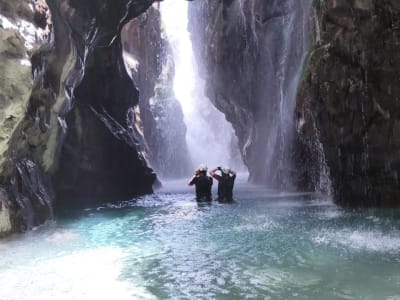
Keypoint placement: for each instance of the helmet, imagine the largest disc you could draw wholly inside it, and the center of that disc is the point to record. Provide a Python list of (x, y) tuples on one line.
[(225, 170), (202, 168)]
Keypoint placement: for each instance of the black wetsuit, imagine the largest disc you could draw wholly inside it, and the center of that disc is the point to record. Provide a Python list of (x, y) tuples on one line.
[(225, 187), (203, 185)]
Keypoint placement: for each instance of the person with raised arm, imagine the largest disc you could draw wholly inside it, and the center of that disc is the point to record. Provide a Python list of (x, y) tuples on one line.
[(226, 181), (203, 183)]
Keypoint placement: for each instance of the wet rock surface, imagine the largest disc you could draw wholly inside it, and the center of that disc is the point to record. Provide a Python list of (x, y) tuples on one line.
[(25, 196), (252, 53), (163, 127), (349, 99), (69, 132), (20, 36), (345, 109), (75, 145)]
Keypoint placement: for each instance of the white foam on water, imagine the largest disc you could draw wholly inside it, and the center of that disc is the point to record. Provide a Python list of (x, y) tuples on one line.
[(256, 224), (87, 275), (361, 240), (62, 236), (330, 214)]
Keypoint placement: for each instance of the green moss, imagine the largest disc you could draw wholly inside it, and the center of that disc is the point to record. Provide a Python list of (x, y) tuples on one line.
[(15, 87), (15, 80), (12, 8), (49, 155), (5, 220)]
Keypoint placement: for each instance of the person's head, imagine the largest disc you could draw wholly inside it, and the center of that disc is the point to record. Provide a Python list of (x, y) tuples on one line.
[(225, 171), (202, 169)]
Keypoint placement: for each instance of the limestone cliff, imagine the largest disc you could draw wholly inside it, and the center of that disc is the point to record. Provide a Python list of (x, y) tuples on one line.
[(345, 109), (349, 99), (153, 70), (24, 28), (76, 141), (252, 53)]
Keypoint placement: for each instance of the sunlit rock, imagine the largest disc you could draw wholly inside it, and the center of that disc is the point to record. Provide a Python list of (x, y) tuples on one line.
[(145, 42), (20, 36), (5, 218), (74, 145)]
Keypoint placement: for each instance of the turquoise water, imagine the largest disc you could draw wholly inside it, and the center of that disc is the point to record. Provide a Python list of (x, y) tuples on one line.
[(264, 246)]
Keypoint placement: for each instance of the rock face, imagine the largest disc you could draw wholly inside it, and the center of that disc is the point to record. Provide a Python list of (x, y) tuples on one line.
[(345, 109), (349, 99), (24, 28), (252, 52), (69, 130), (163, 127), (76, 143)]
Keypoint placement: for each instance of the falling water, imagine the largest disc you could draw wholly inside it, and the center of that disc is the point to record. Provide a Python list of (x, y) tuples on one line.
[(281, 31), (258, 48), (210, 137)]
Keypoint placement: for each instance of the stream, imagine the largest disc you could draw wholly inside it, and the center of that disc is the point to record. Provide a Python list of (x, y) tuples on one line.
[(266, 245)]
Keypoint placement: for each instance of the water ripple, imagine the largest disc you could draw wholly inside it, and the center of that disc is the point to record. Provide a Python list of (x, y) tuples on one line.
[(166, 246)]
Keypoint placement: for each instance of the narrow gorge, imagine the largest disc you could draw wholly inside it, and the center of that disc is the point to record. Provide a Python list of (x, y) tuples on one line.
[(310, 89), (109, 108), (76, 142)]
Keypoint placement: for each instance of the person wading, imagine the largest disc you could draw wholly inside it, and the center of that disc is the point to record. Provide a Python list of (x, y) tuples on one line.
[(226, 182), (203, 183)]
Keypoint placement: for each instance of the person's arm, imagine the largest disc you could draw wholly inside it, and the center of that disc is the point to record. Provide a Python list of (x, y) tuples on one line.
[(213, 174), (233, 174), (193, 179)]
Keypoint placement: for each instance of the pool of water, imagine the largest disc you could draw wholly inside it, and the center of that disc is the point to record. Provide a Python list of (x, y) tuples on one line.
[(266, 245)]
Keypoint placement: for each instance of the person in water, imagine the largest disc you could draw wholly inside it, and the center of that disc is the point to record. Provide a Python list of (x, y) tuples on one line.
[(203, 183), (226, 182)]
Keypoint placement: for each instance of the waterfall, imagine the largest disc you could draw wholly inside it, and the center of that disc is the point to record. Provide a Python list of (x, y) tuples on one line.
[(254, 53), (210, 137), (281, 33)]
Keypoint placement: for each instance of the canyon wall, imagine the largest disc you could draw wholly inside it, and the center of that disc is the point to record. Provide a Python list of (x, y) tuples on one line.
[(25, 27), (252, 53), (310, 87), (349, 99), (150, 60), (340, 135), (72, 137)]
